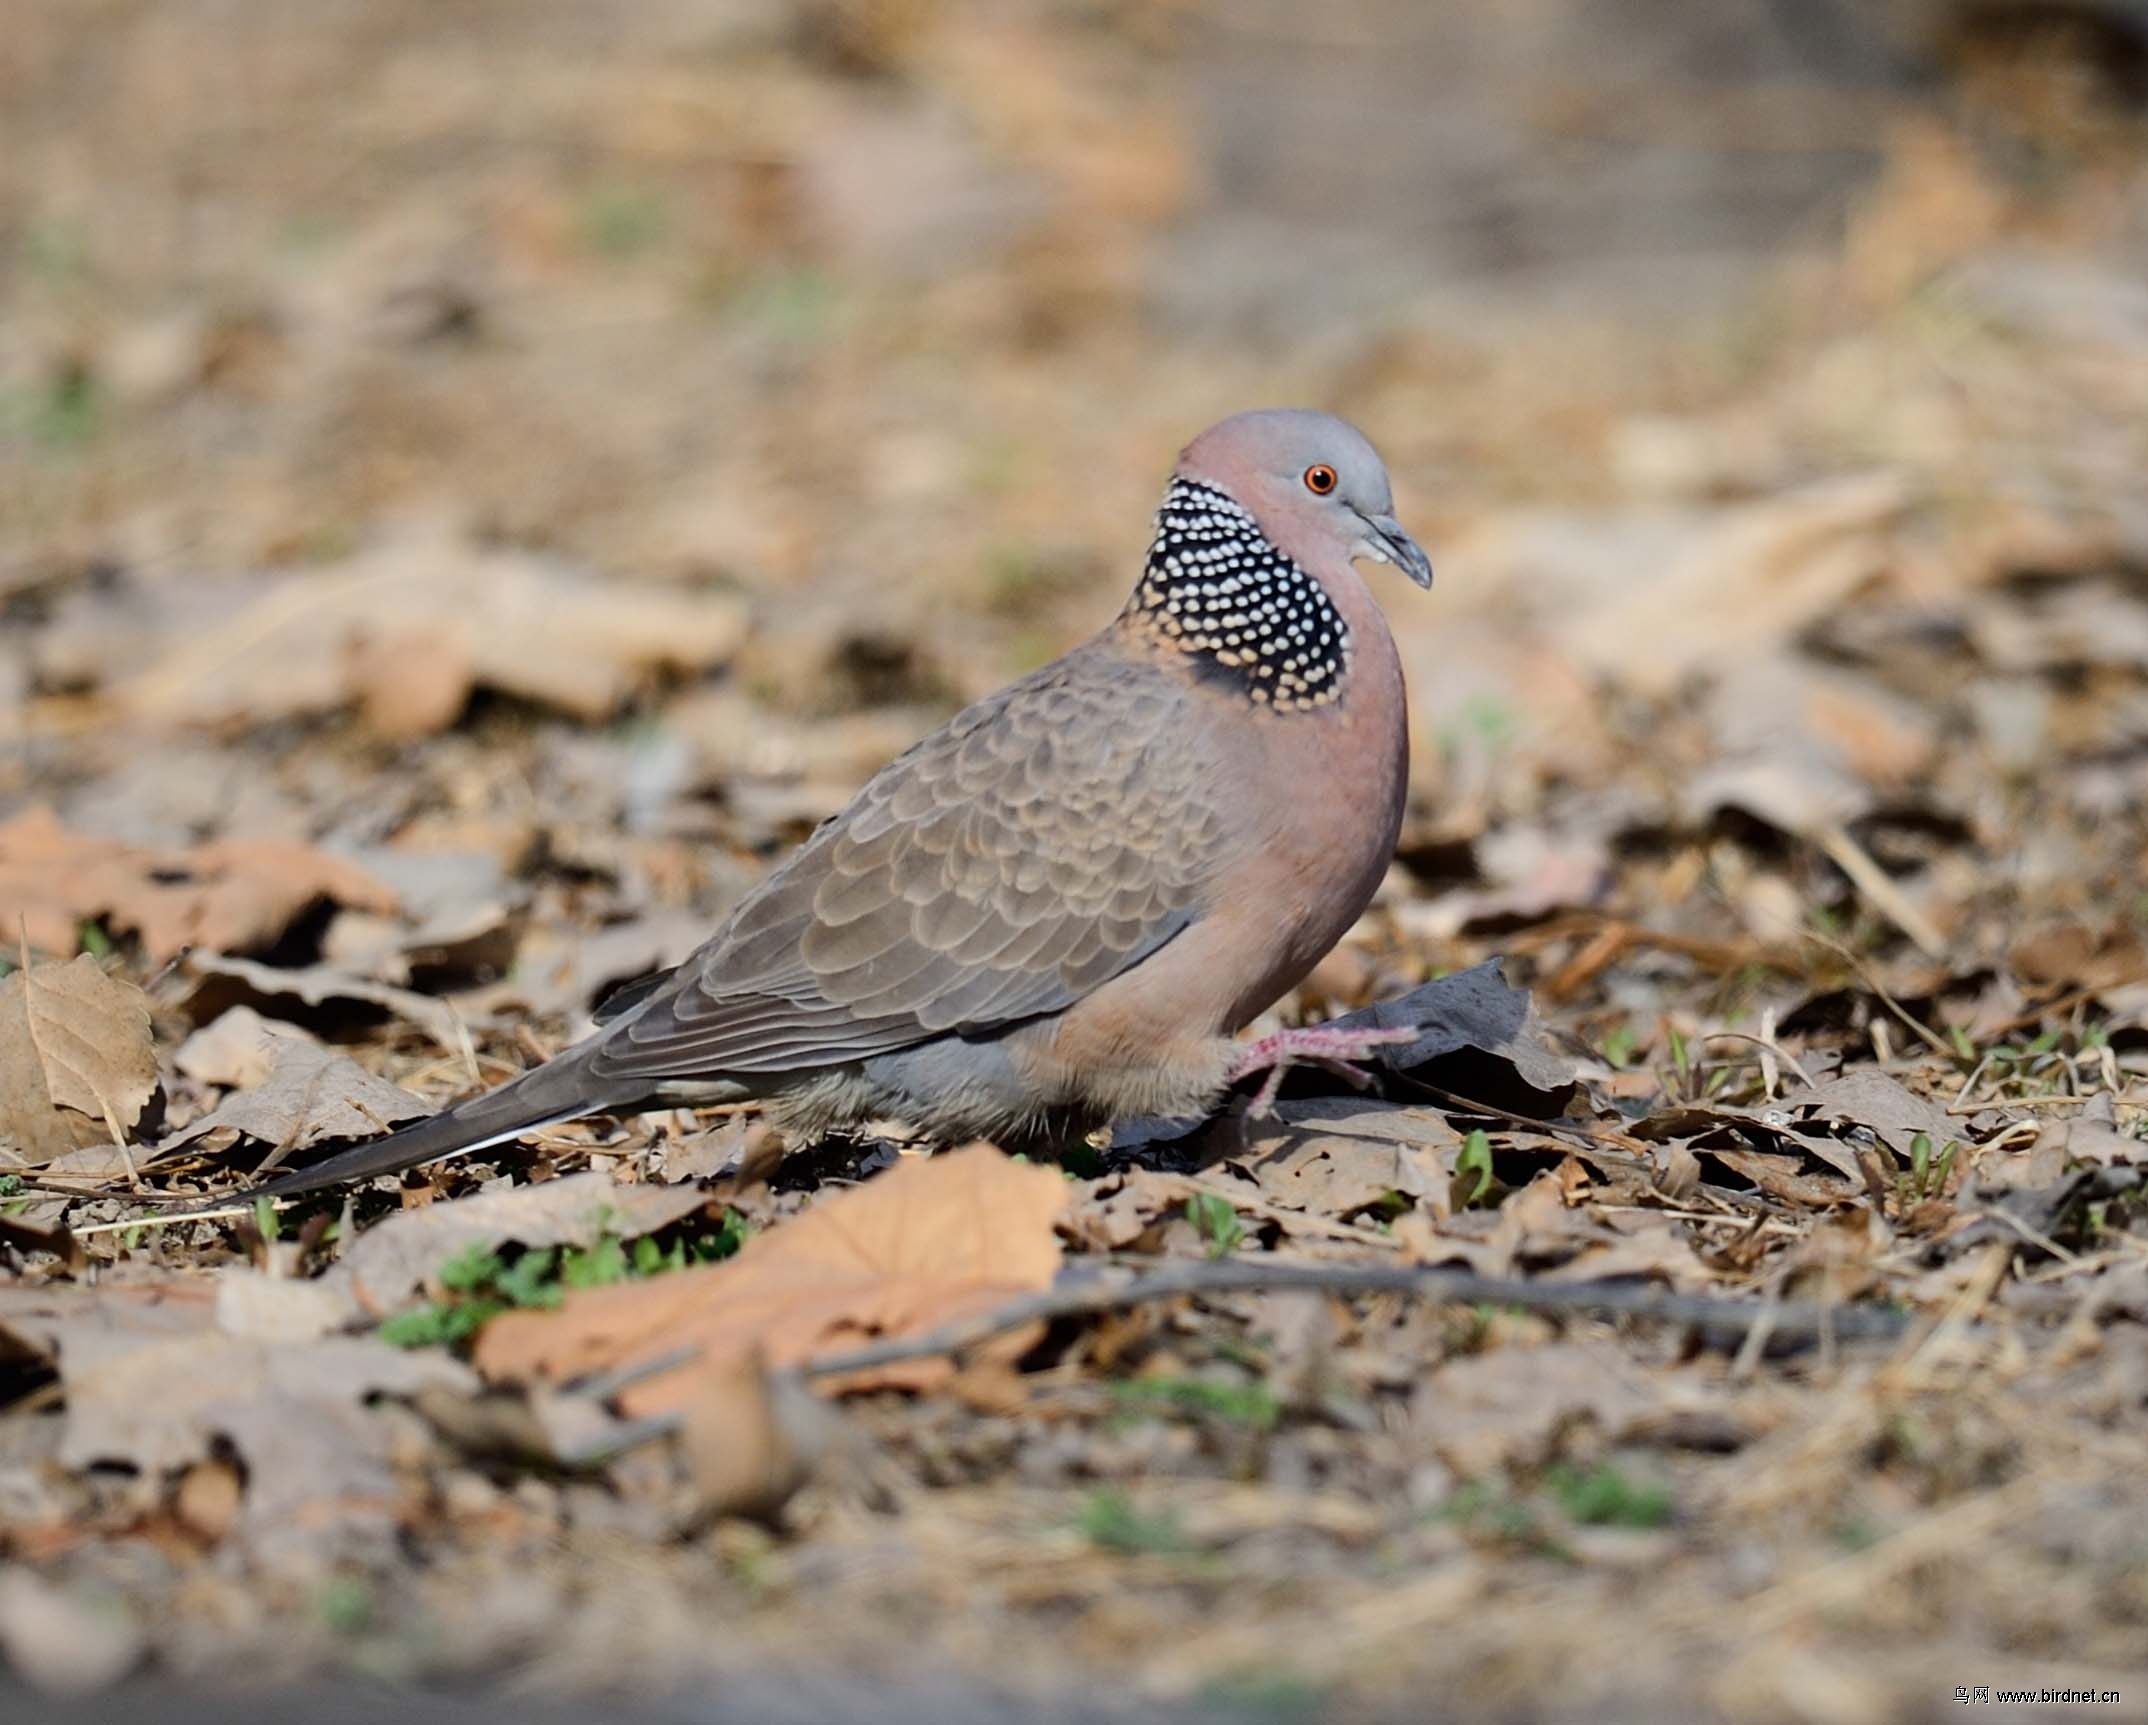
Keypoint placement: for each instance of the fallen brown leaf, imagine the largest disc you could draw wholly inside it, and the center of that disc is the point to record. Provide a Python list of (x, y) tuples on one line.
[(502, 619), (236, 1051), (153, 1382), (226, 896), (221, 983), (752, 1437), (61, 1644), (1337, 1158), (312, 1095), (927, 1241), (77, 1062)]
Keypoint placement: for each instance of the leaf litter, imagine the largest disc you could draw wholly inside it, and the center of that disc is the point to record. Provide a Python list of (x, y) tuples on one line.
[(77, 1063), (1779, 732)]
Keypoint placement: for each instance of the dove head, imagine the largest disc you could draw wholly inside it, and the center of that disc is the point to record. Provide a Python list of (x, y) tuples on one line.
[(1250, 570), (1315, 486)]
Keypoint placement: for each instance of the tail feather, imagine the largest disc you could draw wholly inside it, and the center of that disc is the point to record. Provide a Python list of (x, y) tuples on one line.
[(546, 1096)]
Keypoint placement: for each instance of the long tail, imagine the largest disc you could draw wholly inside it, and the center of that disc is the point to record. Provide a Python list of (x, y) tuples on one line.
[(544, 1096)]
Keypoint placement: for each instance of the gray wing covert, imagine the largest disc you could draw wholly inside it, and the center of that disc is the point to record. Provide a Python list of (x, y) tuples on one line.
[(1047, 839)]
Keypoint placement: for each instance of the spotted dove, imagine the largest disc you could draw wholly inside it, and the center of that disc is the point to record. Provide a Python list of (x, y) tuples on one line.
[(1059, 908)]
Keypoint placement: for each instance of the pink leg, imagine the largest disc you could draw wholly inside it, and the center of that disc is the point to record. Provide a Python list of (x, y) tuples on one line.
[(1321, 1044)]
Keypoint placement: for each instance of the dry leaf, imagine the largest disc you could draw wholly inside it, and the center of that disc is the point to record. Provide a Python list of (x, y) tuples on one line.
[(1865, 1096), (752, 1437), (1113, 1214), (312, 1095), (2099, 1142), (1337, 1158), (151, 1384), (925, 1242), (62, 1645), (208, 1497), (411, 682), (77, 1062), (501, 619), (1656, 1249), (228, 896), (236, 1051), (268, 1307), (222, 983), (1651, 596)]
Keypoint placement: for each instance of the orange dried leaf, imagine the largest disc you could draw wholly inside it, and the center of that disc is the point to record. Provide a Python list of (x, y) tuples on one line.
[(226, 896), (924, 1243)]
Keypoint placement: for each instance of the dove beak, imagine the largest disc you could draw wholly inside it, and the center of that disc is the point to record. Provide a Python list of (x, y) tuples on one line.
[(1386, 541)]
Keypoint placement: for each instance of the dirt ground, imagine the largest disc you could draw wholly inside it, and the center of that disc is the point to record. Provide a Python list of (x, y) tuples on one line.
[(478, 483)]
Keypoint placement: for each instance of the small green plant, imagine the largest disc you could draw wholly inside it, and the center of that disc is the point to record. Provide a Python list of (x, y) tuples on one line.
[(10, 1185), (1619, 1045), (1216, 1222), (70, 410), (1491, 1512), (1280, 1697), (622, 221), (597, 1266), (437, 1325), (1473, 1175), (266, 1222), (1251, 1405), (56, 251), (795, 306), (1110, 1520), (1602, 1496), (1491, 721), (345, 1604), (481, 1282), (1389, 1205), (1927, 1175)]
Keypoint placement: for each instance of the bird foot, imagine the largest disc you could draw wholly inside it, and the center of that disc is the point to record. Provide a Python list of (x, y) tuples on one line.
[(1314, 1044)]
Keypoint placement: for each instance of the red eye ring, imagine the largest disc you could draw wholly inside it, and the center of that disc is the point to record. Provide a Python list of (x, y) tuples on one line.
[(1320, 479)]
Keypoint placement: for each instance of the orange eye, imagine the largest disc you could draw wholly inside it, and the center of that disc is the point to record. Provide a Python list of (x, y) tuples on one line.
[(1320, 479)]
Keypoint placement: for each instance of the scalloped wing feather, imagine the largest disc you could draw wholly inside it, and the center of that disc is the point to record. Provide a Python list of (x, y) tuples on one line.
[(1045, 841)]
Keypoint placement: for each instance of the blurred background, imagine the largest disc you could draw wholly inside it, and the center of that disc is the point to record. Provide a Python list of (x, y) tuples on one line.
[(594, 438), (607, 414), (864, 330)]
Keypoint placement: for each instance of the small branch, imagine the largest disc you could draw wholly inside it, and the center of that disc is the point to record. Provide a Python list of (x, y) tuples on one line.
[(1725, 1320), (1931, 1039), (1878, 887)]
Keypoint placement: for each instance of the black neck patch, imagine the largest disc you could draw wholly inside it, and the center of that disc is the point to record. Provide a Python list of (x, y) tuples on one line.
[(1216, 588)]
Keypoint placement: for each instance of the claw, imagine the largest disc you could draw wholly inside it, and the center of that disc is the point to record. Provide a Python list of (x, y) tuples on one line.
[(1319, 1044)]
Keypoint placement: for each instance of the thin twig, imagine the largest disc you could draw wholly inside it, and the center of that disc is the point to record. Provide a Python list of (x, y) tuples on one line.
[(2064, 1003), (1595, 1137), (2046, 1102), (1794, 1320), (1931, 1038), (1721, 1321), (1768, 1045), (1878, 887)]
